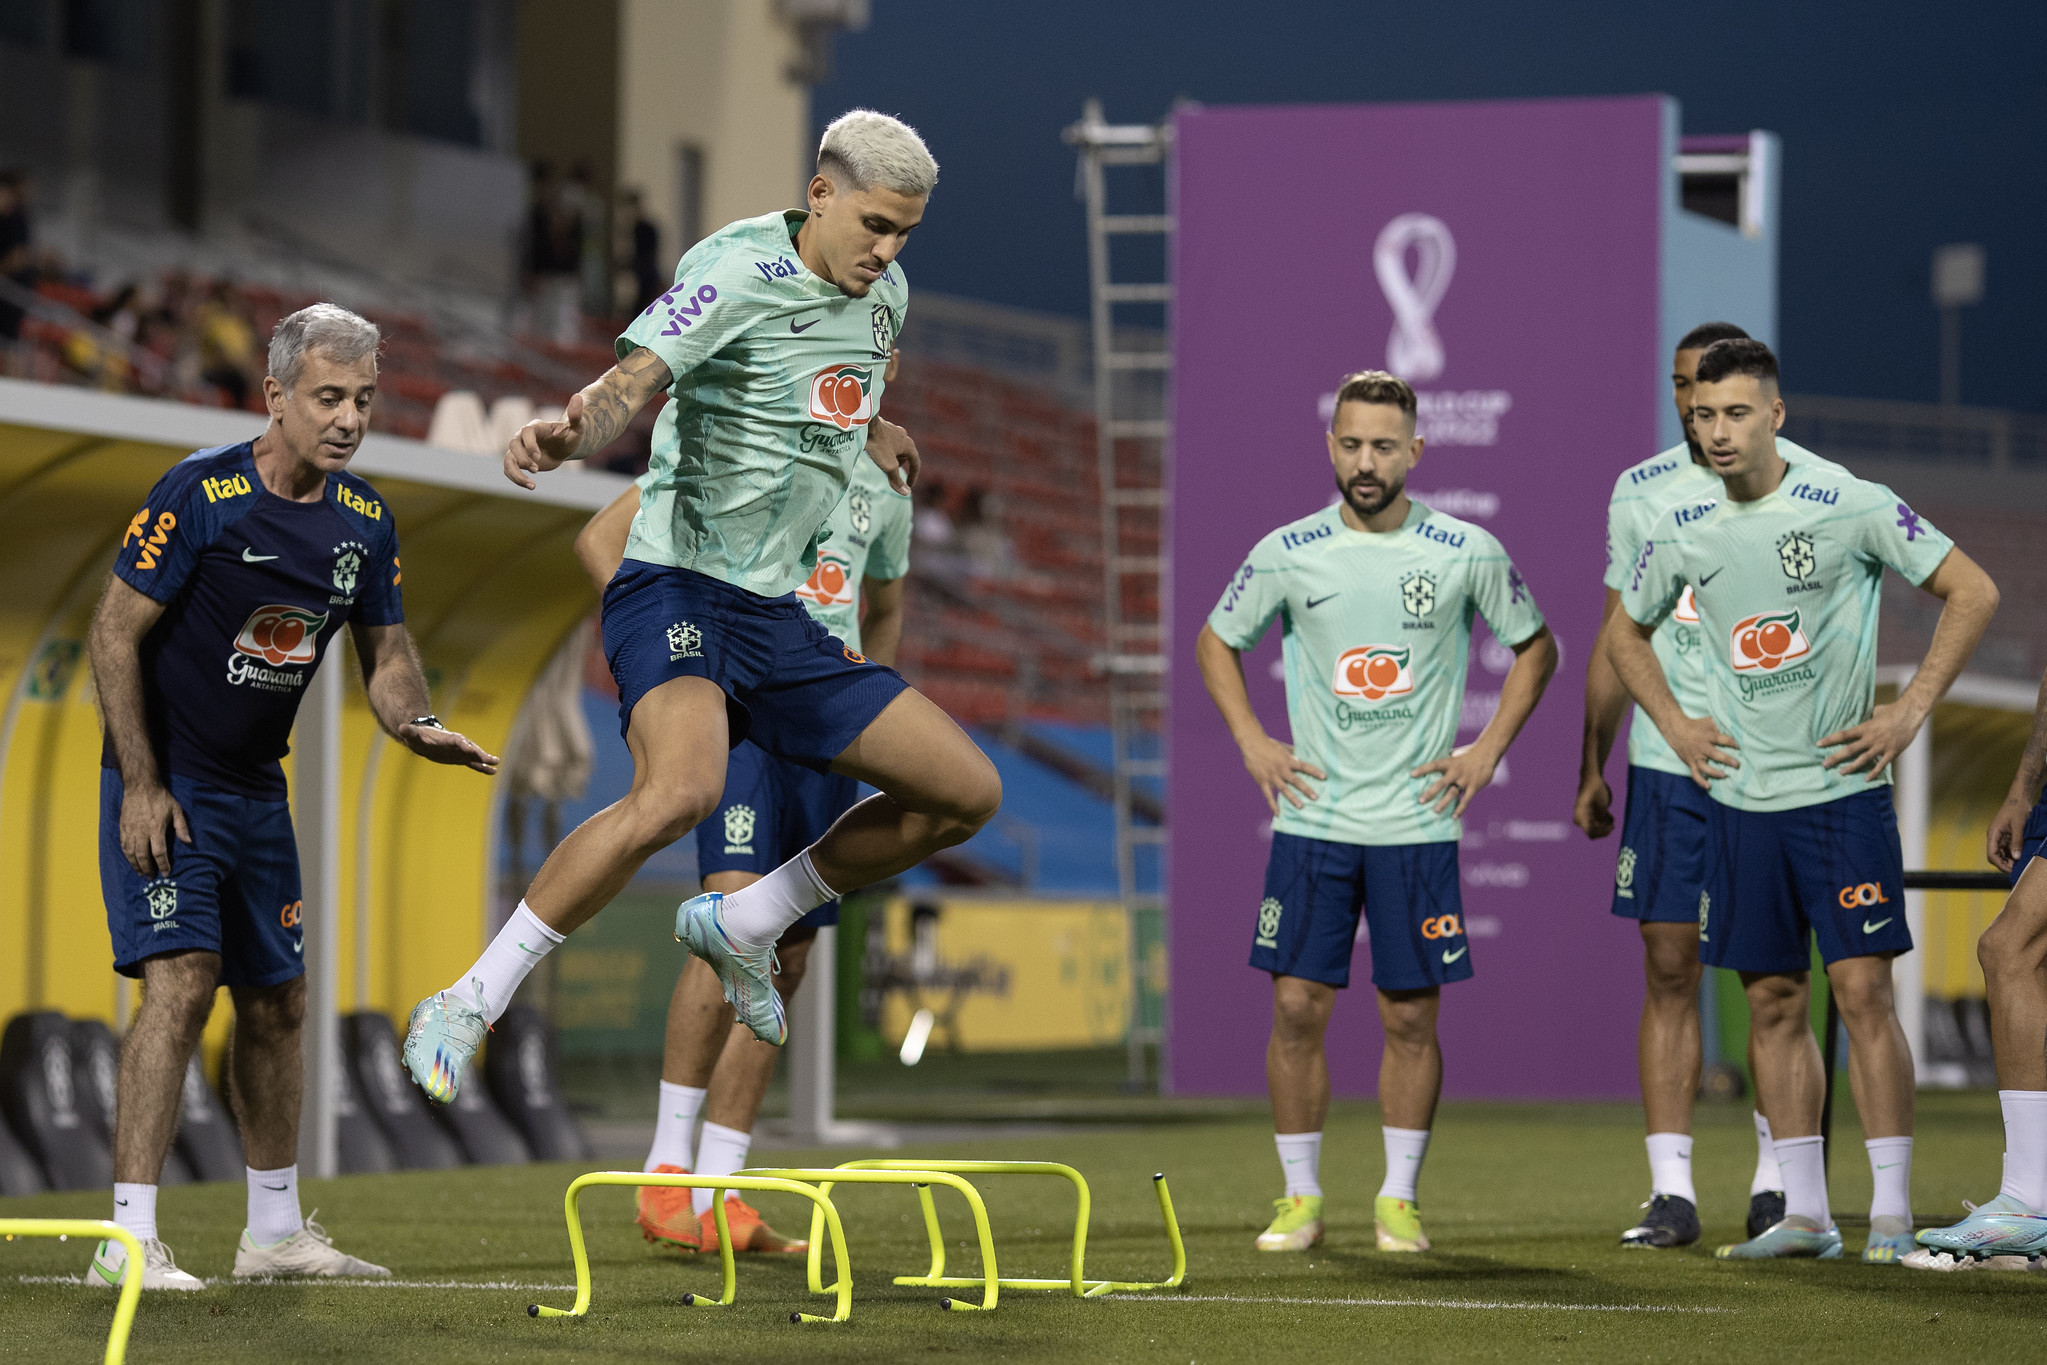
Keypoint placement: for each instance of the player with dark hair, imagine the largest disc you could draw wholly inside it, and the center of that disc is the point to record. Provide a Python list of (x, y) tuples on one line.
[(225, 594), (1662, 861), (1377, 594), (1784, 566), (2013, 952)]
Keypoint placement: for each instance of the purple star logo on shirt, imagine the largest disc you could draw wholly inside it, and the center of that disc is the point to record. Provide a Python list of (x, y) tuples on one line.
[(1909, 519), (1515, 582)]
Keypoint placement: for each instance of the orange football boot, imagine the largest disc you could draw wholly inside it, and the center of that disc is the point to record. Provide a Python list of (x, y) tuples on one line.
[(749, 1231), (664, 1214)]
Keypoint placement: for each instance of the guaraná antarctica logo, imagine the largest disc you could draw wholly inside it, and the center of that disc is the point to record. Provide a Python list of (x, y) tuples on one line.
[(831, 583), (843, 395), (1373, 671)]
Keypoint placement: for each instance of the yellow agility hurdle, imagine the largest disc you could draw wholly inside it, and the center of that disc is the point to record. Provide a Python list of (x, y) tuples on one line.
[(131, 1273), (823, 1210), (1076, 1282), (919, 1176)]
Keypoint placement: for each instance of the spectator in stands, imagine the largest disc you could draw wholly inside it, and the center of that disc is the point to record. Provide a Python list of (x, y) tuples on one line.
[(982, 539), (227, 345), (554, 260), (642, 280), (16, 244)]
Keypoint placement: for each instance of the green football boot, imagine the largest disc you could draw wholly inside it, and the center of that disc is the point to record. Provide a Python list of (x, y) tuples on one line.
[(1399, 1224), (1296, 1223)]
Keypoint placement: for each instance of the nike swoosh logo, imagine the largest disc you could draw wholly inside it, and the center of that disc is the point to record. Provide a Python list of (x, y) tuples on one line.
[(1449, 958), (1708, 578), (799, 331), (1869, 928), (299, 947), (249, 557), (1315, 602), (120, 1203), (535, 951), (279, 1188), (1894, 1163)]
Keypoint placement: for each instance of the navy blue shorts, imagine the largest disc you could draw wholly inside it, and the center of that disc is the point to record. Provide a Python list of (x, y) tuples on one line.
[(791, 686), (770, 812), (1834, 869), (234, 890), (1315, 890), (2032, 840), (1662, 863)]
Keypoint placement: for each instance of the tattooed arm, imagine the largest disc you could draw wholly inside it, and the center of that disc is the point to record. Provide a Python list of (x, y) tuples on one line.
[(593, 419)]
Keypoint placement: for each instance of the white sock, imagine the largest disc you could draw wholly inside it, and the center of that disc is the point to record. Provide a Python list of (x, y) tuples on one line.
[(1890, 1169), (135, 1209), (1670, 1165), (274, 1205), (2025, 1147), (721, 1151), (1803, 1162), (759, 913), (673, 1127), (1767, 1176), (1300, 1161), (1405, 1148), (516, 951)]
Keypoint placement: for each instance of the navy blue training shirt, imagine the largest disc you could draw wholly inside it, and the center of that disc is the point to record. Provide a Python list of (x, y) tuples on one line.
[(254, 587)]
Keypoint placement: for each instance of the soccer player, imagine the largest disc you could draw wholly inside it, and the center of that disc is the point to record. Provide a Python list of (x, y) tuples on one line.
[(2013, 951), (1376, 596), (1662, 861), (1784, 567), (771, 810), (770, 345), (225, 593)]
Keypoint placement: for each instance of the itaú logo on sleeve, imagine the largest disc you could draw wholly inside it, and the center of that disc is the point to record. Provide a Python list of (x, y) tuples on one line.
[(831, 583), (1765, 642), (1373, 671), (843, 395)]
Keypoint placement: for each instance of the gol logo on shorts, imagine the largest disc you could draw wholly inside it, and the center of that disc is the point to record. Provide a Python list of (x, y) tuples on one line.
[(291, 916), (1765, 641), (1373, 671), (281, 635), (1441, 926), (1865, 893), (842, 395)]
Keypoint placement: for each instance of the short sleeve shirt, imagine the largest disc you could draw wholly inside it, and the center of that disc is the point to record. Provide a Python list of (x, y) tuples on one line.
[(776, 376), (1376, 637), (254, 586), (1642, 494), (1786, 588)]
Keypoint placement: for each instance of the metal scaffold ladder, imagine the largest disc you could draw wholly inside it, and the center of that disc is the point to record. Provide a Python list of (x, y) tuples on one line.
[(1132, 365)]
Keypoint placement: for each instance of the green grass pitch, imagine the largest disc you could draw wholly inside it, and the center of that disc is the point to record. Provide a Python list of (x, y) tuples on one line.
[(1524, 1203)]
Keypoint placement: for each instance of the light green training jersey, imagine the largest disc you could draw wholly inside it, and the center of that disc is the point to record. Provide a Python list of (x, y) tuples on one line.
[(777, 374), (1786, 589), (1642, 494), (1376, 635), (869, 538)]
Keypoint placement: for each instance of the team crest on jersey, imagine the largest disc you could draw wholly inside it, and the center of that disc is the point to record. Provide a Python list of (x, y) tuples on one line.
[(1418, 594), (1687, 613), (843, 395), (348, 558), (739, 823), (1269, 911), (831, 583), (860, 510), (281, 635), (1796, 557), (685, 641), (885, 328), (1373, 672), (1767, 641)]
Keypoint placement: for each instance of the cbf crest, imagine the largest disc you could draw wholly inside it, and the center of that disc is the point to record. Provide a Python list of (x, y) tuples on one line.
[(739, 823), (1418, 594), (860, 508), (348, 557), (1624, 873), (1269, 911), (685, 641), (1796, 556), (162, 897)]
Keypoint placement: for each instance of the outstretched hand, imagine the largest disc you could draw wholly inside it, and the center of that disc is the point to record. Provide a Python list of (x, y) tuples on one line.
[(446, 746), (540, 446)]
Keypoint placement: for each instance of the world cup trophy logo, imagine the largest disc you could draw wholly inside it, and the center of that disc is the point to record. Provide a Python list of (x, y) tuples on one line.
[(1414, 351)]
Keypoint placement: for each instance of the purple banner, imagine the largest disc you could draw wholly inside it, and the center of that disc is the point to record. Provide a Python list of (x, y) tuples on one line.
[(1503, 257)]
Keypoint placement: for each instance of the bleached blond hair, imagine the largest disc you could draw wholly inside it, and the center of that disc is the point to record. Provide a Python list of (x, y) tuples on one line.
[(864, 149)]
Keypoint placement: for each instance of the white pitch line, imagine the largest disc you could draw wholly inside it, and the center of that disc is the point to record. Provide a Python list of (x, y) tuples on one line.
[(1419, 1303), (342, 1283)]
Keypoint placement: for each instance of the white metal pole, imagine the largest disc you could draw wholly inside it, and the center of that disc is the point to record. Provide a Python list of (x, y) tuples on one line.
[(1914, 795), (813, 1040), (316, 739)]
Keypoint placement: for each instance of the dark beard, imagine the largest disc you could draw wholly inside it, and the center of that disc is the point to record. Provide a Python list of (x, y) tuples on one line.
[(1359, 505), (1698, 451)]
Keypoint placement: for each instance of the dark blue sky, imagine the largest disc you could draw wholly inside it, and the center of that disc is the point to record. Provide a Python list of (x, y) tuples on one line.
[(1904, 126)]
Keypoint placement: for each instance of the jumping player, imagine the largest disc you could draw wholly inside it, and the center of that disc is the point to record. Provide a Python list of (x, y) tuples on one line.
[(770, 345), (1784, 566), (1662, 862), (2013, 951), (1376, 596), (771, 810), (225, 593)]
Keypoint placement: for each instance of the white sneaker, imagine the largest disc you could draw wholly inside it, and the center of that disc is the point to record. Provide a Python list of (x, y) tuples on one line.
[(309, 1251), (159, 1271)]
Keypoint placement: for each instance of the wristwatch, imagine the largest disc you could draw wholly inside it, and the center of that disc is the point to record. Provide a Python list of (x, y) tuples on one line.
[(428, 721)]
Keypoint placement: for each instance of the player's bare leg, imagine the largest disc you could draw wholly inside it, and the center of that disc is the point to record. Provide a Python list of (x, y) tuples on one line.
[(1668, 1051), (1410, 1083), (1789, 1082), (1880, 1071), (1297, 1076)]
